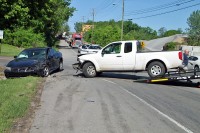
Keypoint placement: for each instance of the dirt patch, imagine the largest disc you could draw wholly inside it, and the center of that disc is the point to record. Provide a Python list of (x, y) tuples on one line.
[(2, 72), (23, 124)]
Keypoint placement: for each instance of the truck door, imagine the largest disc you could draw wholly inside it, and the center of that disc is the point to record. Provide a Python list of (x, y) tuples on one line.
[(128, 56), (111, 57)]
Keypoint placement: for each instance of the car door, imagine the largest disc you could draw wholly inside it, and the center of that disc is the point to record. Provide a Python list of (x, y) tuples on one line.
[(50, 59), (128, 56), (111, 57)]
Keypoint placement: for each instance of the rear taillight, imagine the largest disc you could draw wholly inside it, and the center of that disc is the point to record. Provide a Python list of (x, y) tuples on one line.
[(180, 55)]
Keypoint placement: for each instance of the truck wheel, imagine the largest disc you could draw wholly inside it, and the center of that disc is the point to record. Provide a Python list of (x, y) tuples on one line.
[(156, 69), (89, 70)]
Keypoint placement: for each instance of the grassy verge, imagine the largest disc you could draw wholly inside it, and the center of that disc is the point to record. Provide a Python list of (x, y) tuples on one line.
[(9, 50), (15, 98)]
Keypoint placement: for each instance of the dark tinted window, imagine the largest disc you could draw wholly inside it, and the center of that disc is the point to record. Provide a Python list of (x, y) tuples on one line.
[(128, 47)]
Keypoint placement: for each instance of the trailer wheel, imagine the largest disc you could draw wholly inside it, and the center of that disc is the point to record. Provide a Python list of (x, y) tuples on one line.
[(89, 70), (156, 69)]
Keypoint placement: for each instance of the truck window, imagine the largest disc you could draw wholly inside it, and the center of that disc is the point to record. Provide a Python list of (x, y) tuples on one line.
[(127, 47), (139, 46), (114, 48)]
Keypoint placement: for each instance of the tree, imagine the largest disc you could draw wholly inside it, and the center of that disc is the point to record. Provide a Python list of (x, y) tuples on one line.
[(171, 32), (194, 28), (161, 31), (45, 17), (78, 27)]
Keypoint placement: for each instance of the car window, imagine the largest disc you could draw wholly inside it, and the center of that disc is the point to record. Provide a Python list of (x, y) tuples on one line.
[(51, 52), (84, 47), (193, 58), (127, 47), (114, 48), (94, 47)]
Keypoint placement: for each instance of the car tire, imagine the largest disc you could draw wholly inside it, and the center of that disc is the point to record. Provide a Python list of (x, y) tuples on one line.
[(196, 68), (156, 69), (7, 76), (89, 70), (45, 72), (60, 68)]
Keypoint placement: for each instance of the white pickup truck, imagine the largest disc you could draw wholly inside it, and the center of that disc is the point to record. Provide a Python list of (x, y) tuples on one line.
[(127, 56)]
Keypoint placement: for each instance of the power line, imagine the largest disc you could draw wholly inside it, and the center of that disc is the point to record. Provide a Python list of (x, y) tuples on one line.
[(157, 9), (167, 12)]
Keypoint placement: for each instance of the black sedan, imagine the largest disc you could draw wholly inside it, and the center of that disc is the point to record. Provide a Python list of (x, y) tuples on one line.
[(34, 61)]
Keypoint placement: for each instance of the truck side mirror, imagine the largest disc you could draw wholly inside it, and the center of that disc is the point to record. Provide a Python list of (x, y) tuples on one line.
[(102, 53)]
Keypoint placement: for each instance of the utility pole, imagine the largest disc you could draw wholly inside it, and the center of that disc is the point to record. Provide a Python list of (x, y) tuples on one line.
[(122, 30), (92, 25)]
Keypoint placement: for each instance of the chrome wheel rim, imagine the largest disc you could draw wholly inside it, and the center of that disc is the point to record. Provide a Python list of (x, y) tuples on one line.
[(46, 71), (156, 70), (91, 70)]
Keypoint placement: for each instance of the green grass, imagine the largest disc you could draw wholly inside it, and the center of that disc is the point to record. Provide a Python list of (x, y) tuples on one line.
[(15, 97), (9, 50)]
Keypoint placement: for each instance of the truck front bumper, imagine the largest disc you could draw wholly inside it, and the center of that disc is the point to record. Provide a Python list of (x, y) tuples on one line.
[(77, 66)]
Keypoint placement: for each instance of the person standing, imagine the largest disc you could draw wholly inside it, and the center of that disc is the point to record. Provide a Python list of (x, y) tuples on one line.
[(184, 65)]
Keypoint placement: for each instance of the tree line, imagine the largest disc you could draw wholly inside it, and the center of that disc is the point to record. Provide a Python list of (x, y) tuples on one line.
[(104, 32), (33, 22)]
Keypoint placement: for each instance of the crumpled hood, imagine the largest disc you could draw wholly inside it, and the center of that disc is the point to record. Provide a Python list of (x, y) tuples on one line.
[(22, 62)]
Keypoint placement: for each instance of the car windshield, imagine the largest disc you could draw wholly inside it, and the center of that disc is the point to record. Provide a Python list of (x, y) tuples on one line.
[(33, 53), (94, 47)]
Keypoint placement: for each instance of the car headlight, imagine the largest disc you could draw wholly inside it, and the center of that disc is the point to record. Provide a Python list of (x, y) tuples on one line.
[(8, 69)]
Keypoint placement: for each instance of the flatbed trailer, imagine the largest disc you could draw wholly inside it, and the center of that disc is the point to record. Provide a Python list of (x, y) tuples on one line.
[(176, 76)]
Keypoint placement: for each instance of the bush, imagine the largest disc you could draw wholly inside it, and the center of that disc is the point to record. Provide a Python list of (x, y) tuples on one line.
[(170, 46), (24, 38)]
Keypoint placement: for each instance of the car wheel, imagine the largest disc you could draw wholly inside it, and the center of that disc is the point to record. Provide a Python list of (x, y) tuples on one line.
[(156, 69), (7, 76), (60, 66), (196, 68), (45, 72), (89, 70)]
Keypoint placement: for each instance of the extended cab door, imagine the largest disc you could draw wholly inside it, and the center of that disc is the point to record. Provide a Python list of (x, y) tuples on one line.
[(129, 53), (111, 57)]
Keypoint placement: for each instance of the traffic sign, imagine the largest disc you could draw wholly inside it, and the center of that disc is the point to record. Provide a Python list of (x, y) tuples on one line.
[(1, 34)]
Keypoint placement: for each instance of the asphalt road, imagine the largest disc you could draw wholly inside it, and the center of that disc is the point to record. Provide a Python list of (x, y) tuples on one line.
[(114, 103), (5, 60)]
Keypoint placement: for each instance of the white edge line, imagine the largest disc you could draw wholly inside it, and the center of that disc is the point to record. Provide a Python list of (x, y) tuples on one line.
[(155, 109)]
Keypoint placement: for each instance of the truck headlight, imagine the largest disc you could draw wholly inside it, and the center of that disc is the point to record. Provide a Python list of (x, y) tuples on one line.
[(81, 60)]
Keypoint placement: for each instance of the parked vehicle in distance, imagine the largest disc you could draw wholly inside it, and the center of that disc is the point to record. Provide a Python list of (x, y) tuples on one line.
[(83, 47), (127, 56), (76, 40), (194, 63), (34, 61), (94, 48)]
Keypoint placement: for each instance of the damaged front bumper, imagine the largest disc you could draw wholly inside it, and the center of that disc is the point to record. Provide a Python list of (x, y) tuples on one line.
[(77, 66)]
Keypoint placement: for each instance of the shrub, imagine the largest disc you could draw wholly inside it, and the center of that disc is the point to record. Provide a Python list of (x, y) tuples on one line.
[(170, 46), (24, 38)]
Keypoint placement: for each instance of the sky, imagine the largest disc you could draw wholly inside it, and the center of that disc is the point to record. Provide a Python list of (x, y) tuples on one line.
[(171, 14)]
